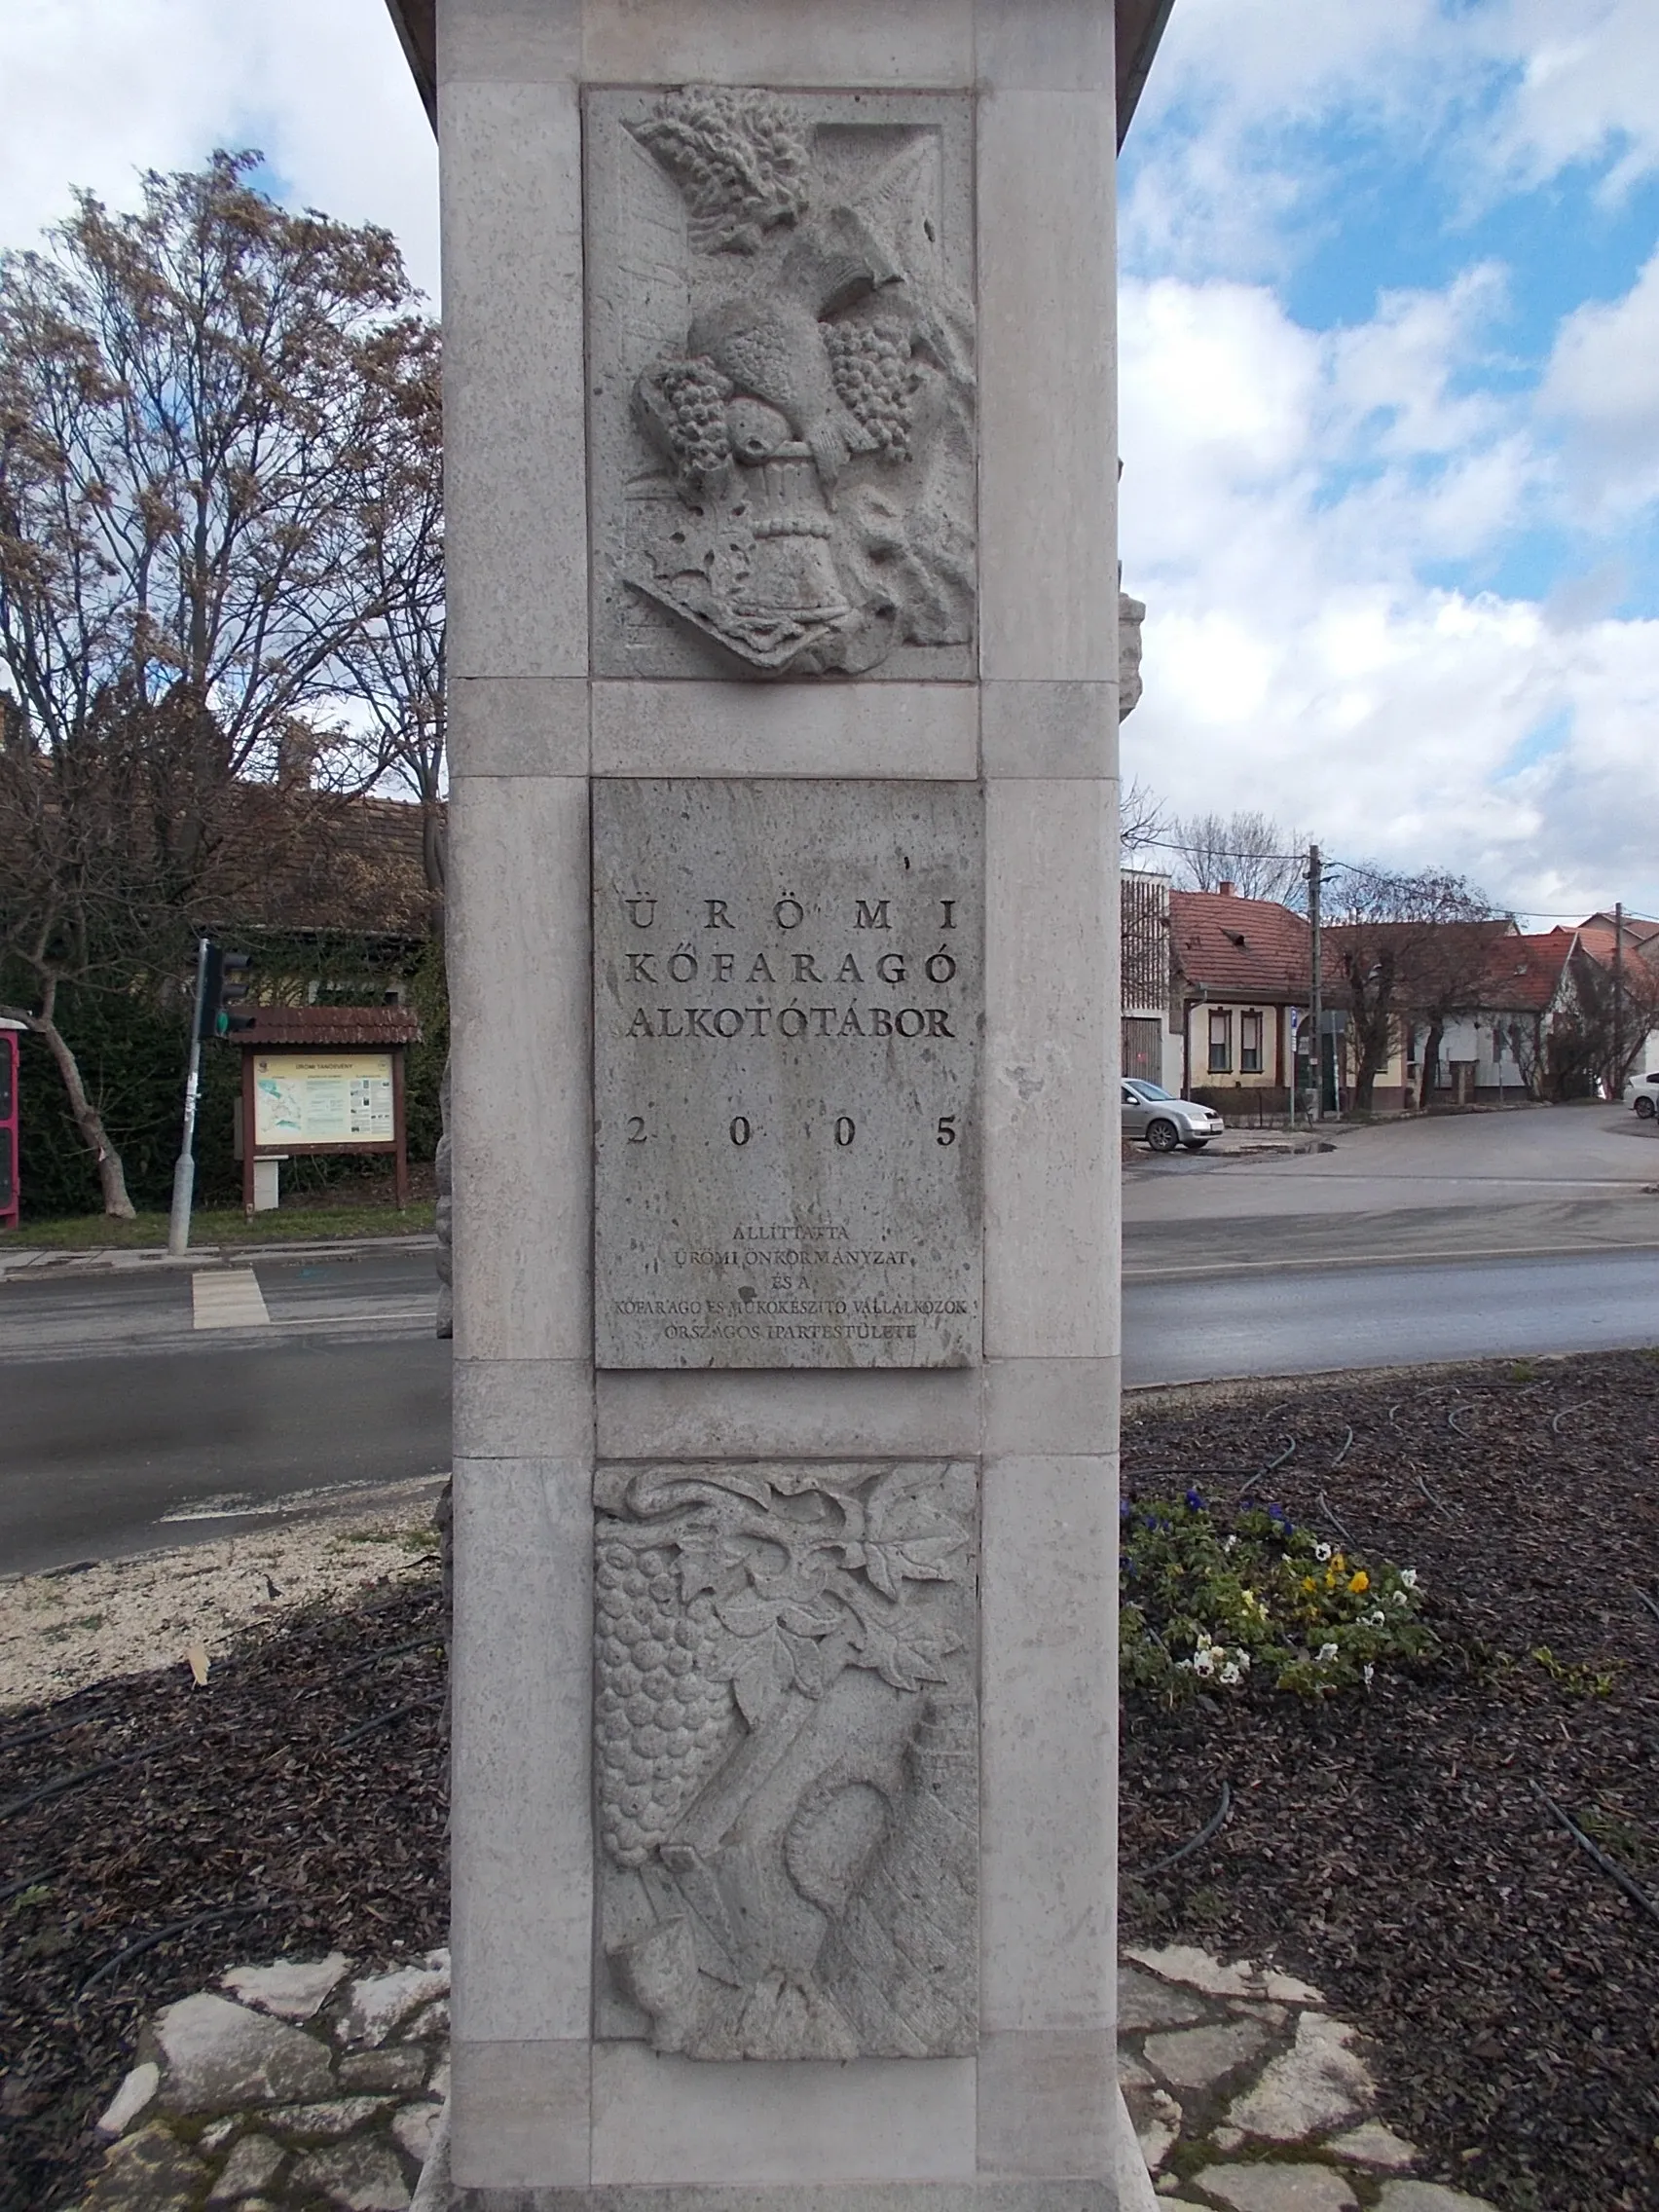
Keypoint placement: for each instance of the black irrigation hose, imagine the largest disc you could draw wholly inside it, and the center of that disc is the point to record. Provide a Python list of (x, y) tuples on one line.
[(1211, 1827), (1615, 1873), (63, 1784), (394, 1651), (385, 1719), (25, 1882), (1439, 1503), (1644, 1600), (1347, 1448), (118, 1959), (54, 1728), (1555, 1426), (1260, 1474), (1327, 1509), (1452, 1424)]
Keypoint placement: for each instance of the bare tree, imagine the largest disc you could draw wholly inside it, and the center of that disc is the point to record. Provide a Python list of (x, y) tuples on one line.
[(1400, 945), (1600, 1034), (396, 664), (187, 412), (1248, 850), (1143, 820)]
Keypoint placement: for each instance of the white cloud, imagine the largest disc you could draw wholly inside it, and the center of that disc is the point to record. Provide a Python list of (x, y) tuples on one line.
[(1584, 89), (99, 89), (1277, 516), (1603, 383)]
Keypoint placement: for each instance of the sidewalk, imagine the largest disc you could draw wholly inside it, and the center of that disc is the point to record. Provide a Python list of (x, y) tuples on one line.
[(23, 1259)]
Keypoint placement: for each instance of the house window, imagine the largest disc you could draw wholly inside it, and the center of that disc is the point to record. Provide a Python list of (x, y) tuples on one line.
[(1220, 1043), (1250, 1044)]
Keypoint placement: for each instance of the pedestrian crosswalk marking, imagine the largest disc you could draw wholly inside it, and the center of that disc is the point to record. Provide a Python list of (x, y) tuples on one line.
[(227, 1298)]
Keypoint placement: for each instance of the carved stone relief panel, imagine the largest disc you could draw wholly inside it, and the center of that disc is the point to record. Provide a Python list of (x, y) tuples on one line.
[(781, 353), (787, 1758)]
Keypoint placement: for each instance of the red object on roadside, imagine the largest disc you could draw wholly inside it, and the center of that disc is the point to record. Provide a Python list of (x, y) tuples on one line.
[(8, 1127)]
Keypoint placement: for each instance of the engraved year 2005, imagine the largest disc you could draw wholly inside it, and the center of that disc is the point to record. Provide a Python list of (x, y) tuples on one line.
[(843, 1133)]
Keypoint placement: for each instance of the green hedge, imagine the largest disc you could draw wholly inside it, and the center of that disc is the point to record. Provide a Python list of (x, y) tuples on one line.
[(131, 1054)]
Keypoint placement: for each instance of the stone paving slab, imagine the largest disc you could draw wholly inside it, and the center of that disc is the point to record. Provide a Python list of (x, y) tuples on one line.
[(1245, 2093)]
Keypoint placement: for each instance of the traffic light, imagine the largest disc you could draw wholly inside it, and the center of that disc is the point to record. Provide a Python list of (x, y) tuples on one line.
[(222, 988)]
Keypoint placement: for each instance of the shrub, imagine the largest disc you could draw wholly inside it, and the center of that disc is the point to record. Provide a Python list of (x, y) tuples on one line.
[(1215, 1607)]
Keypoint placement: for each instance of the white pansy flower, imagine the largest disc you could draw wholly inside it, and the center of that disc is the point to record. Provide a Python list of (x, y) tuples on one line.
[(1408, 1575), (1370, 1670), (1321, 1552), (1230, 1675), (1327, 1651), (1375, 1618), (1203, 1663), (1400, 1597)]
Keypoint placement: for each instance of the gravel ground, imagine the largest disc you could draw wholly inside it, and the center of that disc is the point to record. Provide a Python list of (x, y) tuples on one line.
[(61, 1630), (1395, 1849)]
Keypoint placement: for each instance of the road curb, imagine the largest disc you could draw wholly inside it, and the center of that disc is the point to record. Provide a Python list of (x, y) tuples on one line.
[(39, 1259)]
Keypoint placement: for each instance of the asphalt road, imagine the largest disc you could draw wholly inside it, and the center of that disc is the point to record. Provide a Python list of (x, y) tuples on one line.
[(124, 1424)]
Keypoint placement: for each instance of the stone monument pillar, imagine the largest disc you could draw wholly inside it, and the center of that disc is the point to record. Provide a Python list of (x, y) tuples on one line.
[(780, 416)]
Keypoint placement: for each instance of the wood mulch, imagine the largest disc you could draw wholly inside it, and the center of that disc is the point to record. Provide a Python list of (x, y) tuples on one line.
[(1395, 1849), (295, 1802), (1392, 1849)]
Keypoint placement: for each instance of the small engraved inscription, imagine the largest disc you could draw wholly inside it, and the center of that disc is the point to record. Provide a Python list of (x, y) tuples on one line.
[(788, 1006)]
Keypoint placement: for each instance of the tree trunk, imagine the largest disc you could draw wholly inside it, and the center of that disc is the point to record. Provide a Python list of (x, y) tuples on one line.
[(1431, 1061), (112, 1176)]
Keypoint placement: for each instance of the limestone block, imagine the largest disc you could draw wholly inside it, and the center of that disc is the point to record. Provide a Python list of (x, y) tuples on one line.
[(1427, 2197), (1043, 46), (1059, 1406), (148, 2172), (293, 1988), (522, 1408), (1052, 1135), (1196, 2058), (326, 2123), (1319, 2085), (785, 1758), (677, 2121), (1048, 2103), (520, 1852), (254, 2165), (1048, 1745), (1143, 2003), (1373, 2145), (781, 384), (376, 2004), (1047, 488), (786, 1414), (801, 730), (360, 2176), (521, 1007), (517, 725), (515, 41), (416, 2127), (132, 2097), (219, 2056), (866, 42), (398, 2069), (787, 983), (520, 2114), (1277, 2188), (514, 475), (1065, 730), (1186, 1964)]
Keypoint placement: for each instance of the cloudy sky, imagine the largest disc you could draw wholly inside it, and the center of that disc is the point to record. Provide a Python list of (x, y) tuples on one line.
[(1391, 373)]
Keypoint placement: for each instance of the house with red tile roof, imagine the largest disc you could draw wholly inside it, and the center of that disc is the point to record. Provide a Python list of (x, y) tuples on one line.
[(1241, 967)]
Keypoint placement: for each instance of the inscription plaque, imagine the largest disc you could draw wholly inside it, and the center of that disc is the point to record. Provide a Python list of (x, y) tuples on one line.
[(787, 1007)]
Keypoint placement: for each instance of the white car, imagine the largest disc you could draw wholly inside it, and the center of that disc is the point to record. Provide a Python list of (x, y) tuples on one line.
[(1643, 1092), (1150, 1112)]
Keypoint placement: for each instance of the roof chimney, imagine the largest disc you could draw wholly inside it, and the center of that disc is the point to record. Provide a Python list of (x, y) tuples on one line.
[(1230, 891)]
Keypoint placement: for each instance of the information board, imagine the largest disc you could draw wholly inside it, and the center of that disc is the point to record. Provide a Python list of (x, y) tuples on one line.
[(788, 1010), (322, 1098)]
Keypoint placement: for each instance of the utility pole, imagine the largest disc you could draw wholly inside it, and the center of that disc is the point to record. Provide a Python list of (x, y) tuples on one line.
[(1316, 1008), (184, 1171), (1617, 1084)]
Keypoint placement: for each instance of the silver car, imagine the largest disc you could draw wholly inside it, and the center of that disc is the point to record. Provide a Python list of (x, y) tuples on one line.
[(1165, 1121)]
